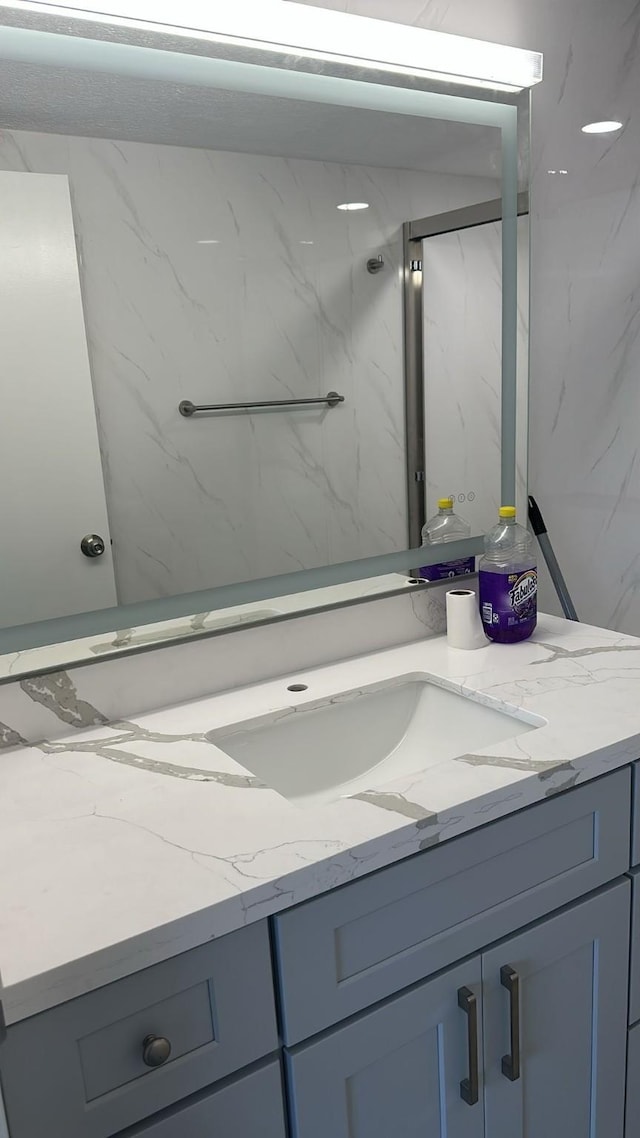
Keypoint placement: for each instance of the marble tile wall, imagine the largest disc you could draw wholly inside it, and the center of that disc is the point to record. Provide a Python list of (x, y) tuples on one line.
[(585, 302), (219, 277)]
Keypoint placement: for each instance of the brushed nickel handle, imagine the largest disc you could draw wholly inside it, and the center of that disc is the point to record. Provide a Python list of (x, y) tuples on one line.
[(469, 1088), (511, 1063), (155, 1050), (92, 545)]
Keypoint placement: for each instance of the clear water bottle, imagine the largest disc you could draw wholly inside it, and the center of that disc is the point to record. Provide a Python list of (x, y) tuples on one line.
[(446, 526), (508, 581)]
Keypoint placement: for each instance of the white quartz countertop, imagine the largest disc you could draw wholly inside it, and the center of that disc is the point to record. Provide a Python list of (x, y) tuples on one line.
[(125, 844)]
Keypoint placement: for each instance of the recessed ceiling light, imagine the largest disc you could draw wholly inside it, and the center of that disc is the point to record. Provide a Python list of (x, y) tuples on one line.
[(306, 242), (606, 127), (208, 241), (552, 171), (351, 207)]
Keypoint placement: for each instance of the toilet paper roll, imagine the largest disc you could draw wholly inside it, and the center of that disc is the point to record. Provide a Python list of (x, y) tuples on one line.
[(464, 626)]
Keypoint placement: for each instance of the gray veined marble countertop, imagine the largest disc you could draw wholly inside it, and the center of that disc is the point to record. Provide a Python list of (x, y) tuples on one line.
[(123, 844)]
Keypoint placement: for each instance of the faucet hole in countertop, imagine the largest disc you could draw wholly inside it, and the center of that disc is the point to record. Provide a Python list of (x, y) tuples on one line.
[(297, 687)]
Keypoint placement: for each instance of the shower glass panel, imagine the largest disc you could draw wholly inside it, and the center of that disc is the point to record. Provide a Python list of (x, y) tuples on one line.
[(454, 365), (462, 360)]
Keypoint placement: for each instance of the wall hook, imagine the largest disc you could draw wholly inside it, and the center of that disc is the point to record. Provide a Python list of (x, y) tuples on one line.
[(375, 264)]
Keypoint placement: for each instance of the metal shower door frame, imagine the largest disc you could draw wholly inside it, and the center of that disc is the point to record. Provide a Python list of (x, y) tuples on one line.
[(415, 233)]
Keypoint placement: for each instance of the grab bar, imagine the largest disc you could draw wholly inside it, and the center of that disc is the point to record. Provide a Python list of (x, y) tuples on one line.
[(187, 408)]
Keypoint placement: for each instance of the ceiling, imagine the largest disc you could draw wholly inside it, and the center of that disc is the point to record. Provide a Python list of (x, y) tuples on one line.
[(41, 98)]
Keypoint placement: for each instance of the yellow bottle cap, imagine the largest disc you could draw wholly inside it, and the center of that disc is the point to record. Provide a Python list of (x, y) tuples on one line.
[(507, 511), (445, 503)]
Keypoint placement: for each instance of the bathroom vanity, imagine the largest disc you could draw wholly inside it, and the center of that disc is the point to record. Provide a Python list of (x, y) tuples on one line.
[(321, 877), (185, 951)]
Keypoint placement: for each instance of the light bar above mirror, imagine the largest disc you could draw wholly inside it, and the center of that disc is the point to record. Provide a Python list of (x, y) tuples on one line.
[(319, 33)]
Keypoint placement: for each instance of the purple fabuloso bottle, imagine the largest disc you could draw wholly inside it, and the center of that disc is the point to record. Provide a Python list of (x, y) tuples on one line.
[(508, 581)]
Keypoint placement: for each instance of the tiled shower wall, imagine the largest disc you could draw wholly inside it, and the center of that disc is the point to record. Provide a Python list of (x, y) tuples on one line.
[(463, 370), (585, 301), (221, 277)]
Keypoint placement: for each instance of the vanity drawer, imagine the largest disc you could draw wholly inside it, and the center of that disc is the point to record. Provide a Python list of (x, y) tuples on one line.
[(86, 1058), (249, 1107), (348, 949), (634, 989)]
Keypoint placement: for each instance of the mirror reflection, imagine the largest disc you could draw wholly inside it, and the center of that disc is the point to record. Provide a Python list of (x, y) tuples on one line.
[(202, 325), (462, 358)]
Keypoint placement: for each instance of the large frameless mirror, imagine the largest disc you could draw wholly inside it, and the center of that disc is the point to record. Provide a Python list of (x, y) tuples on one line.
[(255, 320)]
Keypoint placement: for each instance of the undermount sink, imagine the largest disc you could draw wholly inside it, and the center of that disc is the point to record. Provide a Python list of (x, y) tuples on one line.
[(356, 741)]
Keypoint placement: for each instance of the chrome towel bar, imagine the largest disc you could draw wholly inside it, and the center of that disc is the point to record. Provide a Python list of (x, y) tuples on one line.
[(187, 408)]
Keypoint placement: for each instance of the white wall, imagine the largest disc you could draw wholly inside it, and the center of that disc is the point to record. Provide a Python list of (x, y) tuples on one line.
[(585, 318), (281, 306)]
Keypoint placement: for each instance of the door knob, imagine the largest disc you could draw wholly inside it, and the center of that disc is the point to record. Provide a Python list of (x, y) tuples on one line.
[(92, 545)]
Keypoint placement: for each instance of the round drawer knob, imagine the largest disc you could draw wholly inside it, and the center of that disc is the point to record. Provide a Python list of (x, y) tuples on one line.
[(155, 1050)]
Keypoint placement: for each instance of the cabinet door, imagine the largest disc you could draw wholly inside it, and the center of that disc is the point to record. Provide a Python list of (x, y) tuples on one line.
[(633, 1083), (396, 1070), (570, 997)]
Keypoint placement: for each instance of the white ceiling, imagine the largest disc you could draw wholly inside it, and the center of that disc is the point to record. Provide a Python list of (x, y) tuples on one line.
[(39, 98)]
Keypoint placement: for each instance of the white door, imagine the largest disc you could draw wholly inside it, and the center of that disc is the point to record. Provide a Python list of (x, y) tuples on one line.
[(51, 482)]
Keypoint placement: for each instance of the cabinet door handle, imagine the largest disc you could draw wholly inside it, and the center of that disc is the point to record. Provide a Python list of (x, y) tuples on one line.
[(511, 1063), (469, 1091)]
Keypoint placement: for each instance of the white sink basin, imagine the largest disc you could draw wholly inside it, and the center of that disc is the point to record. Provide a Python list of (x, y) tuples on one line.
[(314, 753)]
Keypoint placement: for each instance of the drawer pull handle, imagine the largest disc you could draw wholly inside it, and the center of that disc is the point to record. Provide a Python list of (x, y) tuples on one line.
[(469, 1088), (511, 1063), (155, 1050)]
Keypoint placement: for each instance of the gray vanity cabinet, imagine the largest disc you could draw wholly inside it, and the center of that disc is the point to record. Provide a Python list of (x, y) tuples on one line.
[(128, 1051), (347, 950), (477, 990), (249, 1107), (397, 1070), (570, 996), (633, 1083), (553, 1002)]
